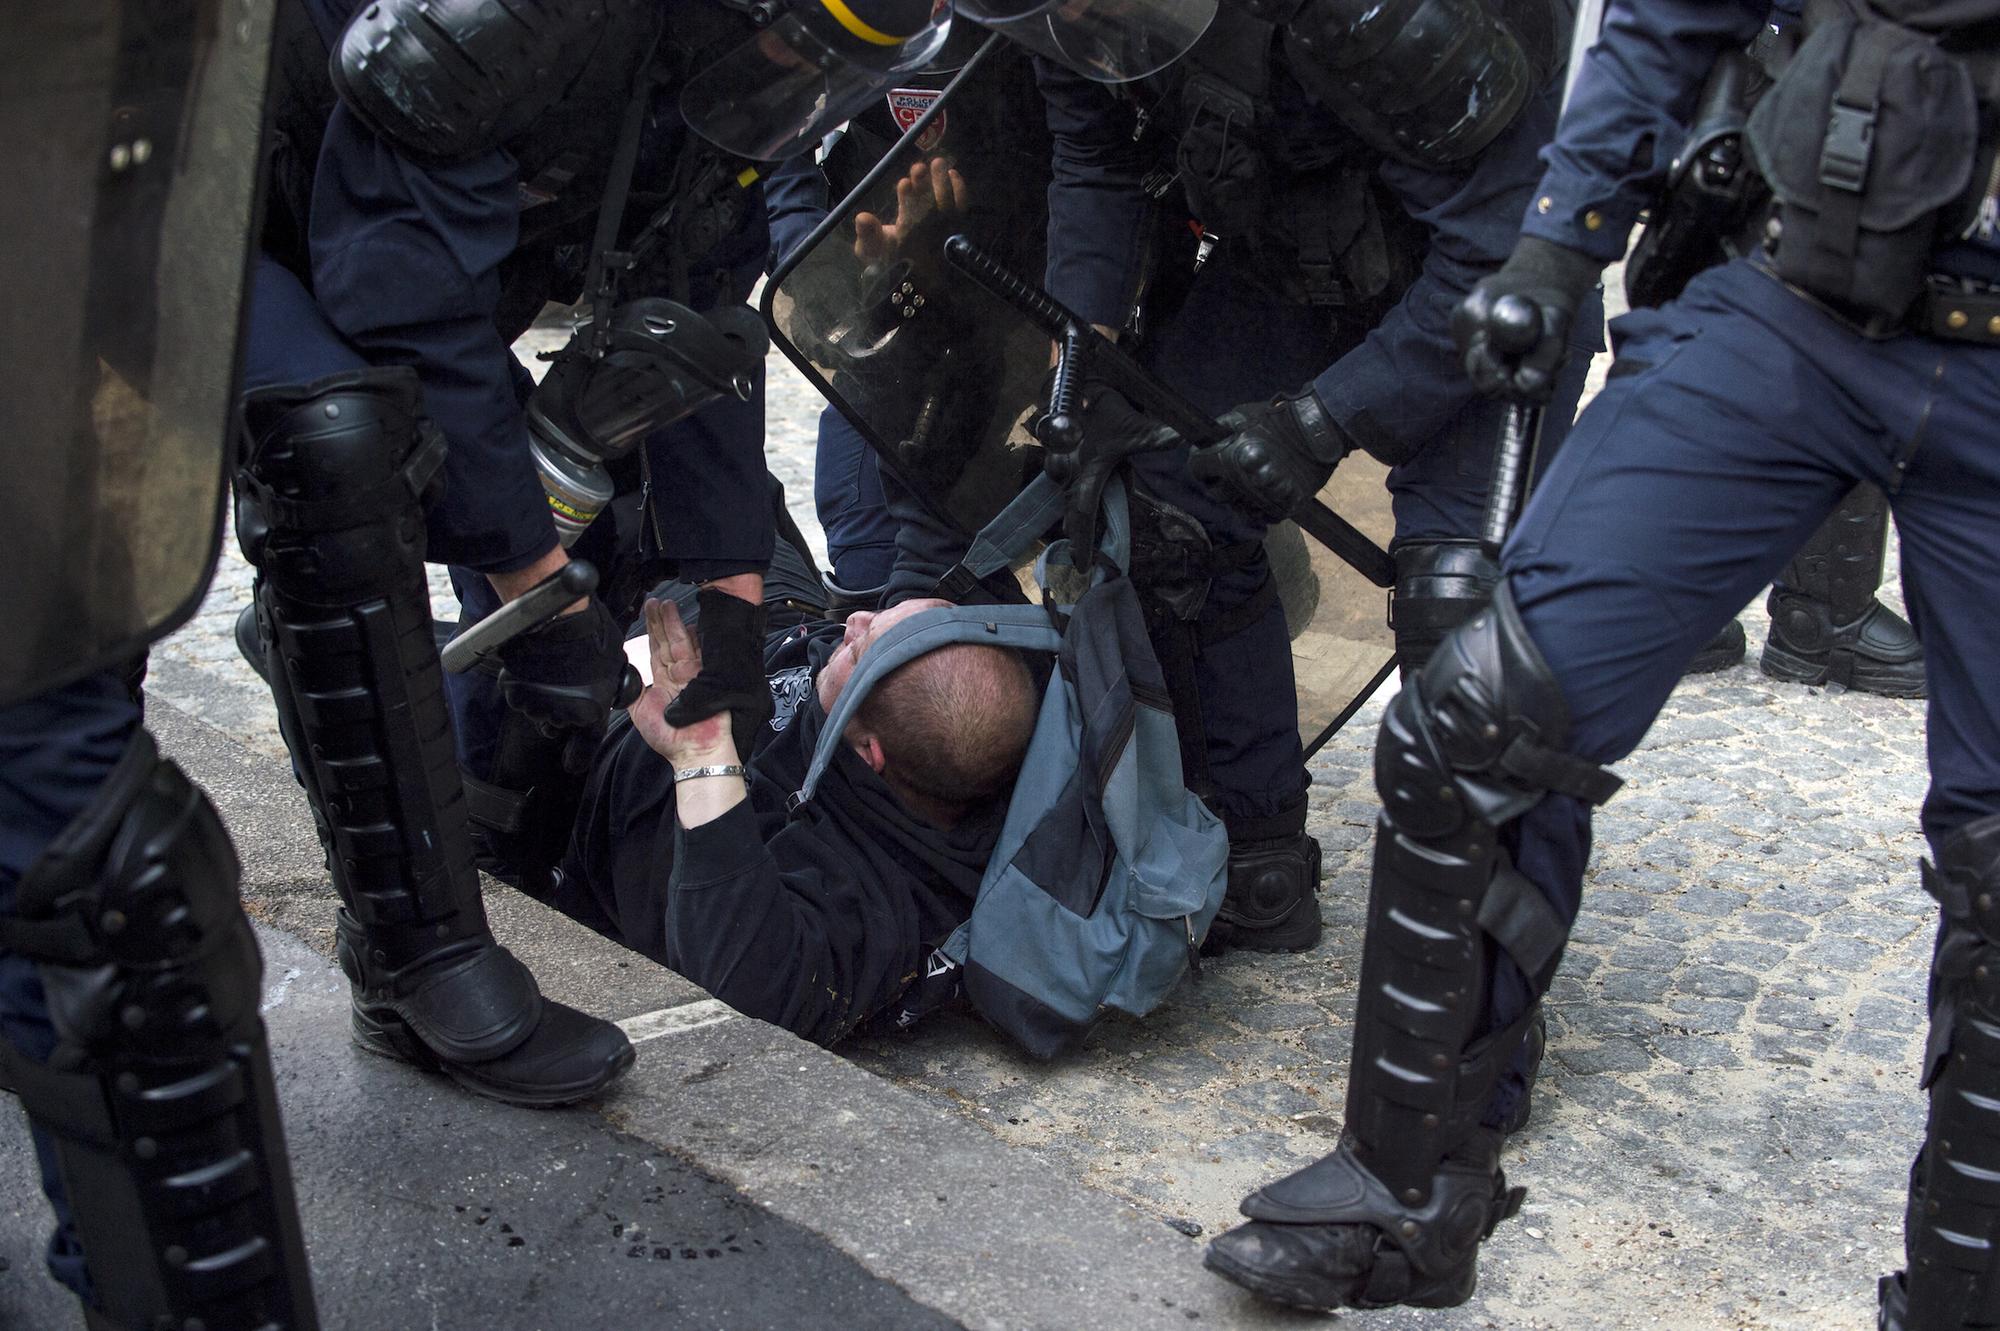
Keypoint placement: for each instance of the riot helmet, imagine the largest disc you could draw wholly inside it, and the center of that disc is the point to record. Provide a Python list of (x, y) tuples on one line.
[(811, 66), (1106, 41)]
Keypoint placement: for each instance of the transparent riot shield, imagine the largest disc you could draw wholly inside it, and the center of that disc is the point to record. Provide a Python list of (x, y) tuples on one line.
[(943, 377), (130, 134)]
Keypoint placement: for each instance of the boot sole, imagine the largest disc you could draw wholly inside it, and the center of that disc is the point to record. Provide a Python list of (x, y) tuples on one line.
[(1277, 938), (1311, 1296), (388, 1036), (1838, 667)]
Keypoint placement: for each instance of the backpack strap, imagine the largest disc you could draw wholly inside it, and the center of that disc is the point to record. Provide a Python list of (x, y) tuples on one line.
[(1024, 627), (1006, 537)]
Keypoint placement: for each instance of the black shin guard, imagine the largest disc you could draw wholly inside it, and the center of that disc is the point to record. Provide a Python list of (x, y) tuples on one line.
[(1397, 1212), (330, 511), (158, 1096), (1952, 1231)]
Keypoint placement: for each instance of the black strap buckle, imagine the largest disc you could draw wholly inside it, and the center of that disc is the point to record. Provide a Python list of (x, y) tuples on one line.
[(1849, 144)]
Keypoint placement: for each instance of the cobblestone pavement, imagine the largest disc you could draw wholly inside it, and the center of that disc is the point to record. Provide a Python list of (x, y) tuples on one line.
[(1722, 1132)]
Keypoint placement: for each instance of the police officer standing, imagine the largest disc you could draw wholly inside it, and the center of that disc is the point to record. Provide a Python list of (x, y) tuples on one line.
[(443, 170), (1858, 340)]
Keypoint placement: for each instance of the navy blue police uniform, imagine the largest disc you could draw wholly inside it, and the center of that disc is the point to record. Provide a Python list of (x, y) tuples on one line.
[(1735, 419), (381, 260)]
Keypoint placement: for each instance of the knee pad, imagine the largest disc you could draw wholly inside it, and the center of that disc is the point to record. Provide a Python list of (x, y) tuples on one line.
[(158, 1097), (1439, 585)]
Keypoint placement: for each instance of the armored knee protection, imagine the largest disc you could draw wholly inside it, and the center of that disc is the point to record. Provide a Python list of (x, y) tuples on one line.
[(1952, 1232), (1439, 585), (158, 1096), (1474, 741)]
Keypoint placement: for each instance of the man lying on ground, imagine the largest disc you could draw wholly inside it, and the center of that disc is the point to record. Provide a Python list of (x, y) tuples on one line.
[(818, 920)]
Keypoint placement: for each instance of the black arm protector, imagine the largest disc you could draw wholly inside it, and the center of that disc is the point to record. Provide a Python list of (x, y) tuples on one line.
[(1431, 82), (446, 80)]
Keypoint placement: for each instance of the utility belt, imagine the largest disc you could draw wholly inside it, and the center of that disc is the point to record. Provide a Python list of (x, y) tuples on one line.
[(1877, 144)]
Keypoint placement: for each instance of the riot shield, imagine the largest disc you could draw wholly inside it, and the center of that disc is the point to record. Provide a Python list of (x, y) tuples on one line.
[(943, 378), (129, 133)]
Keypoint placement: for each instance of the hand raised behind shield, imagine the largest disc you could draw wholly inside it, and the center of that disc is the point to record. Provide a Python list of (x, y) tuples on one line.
[(929, 189)]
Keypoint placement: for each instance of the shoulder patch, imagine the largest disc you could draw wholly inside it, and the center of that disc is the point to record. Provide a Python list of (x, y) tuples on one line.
[(907, 106)]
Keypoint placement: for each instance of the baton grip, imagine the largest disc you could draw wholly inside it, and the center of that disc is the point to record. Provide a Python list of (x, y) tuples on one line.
[(1512, 460), (533, 608)]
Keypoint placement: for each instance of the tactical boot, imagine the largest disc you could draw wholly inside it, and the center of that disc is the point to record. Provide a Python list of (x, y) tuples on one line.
[(1875, 653), (1333, 1236), (1826, 625), (1272, 902), (456, 1011), (1528, 1059), (1724, 650)]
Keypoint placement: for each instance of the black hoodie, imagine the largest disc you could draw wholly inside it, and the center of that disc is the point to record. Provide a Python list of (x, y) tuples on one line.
[(814, 922)]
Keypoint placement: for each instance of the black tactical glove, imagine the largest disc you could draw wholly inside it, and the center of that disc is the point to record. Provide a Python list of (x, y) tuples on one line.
[(565, 675), (1514, 328), (1278, 455), (732, 677)]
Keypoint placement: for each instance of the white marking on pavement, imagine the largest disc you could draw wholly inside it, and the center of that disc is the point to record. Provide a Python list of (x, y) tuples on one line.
[(676, 1020), (280, 989)]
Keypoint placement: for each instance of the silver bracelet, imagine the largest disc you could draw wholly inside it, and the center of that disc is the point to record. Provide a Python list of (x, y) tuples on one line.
[(720, 769)]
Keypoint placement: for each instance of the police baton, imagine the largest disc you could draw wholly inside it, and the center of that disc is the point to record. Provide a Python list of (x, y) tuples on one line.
[(1516, 328), (537, 606)]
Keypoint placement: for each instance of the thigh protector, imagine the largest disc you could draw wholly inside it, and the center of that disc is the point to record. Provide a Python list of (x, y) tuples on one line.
[(158, 1095), (1952, 1232), (1475, 740)]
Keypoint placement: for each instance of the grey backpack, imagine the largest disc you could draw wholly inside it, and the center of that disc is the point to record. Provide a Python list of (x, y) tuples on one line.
[(1108, 870)]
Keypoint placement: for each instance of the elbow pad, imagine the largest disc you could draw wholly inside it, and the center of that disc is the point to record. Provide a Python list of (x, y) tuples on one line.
[(443, 81), (1431, 82)]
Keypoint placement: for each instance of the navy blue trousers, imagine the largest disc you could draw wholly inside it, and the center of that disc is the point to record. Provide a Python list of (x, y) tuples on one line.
[(1735, 419), (56, 751), (1230, 344), (848, 498)]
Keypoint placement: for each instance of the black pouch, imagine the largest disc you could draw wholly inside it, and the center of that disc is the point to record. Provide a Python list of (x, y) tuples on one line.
[(1867, 139)]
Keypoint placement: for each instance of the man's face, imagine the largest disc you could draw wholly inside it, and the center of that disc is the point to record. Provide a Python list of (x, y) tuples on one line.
[(863, 628)]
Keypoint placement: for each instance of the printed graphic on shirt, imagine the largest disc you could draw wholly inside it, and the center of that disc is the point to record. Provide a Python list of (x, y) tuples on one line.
[(788, 690), (907, 106)]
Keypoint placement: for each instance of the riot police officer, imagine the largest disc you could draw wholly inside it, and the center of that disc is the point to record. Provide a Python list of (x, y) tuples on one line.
[(1270, 240), (130, 980), (442, 171), (1858, 339)]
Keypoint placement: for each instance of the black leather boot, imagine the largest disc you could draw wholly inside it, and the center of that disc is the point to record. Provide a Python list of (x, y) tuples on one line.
[(1826, 625), (1272, 902)]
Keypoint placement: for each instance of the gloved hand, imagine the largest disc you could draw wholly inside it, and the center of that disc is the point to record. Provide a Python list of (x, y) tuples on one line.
[(565, 675), (731, 631), (1278, 455), (1114, 428), (1514, 328)]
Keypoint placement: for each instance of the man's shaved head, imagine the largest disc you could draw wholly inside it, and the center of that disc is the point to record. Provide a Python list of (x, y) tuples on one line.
[(955, 722)]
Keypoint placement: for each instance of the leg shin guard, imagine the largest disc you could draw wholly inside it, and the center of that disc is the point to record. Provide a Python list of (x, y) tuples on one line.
[(158, 1095), (1439, 585), (330, 510), (1952, 1232)]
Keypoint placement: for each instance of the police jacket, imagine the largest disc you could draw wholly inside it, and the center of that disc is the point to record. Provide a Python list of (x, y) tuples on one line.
[(1399, 382), (440, 266), (1630, 110), (814, 922)]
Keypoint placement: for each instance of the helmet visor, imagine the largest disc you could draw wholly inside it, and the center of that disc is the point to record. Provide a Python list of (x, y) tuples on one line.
[(1107, 41), (792, 83)]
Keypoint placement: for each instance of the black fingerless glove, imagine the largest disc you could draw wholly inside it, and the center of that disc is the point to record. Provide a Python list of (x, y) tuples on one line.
[(732, 677), (565, 675), (1277, 457), (1513, 330)]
